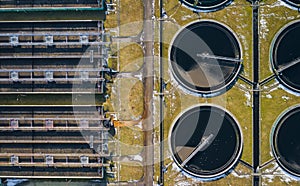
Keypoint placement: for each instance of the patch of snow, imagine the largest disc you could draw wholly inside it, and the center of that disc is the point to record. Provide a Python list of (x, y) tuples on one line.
[(138, 158), (269, 96), (14, 182), (273, 89), (285, 98), (247, 95), (183, 183), (263, 27), (175, 167), (273, 171), (269, 179), (243, 38), (183, 18), (248, 100), (281, 3), (276, 4), (240, 176)]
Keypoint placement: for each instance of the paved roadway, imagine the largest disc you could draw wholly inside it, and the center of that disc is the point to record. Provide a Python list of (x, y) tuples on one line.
[(148, 72)]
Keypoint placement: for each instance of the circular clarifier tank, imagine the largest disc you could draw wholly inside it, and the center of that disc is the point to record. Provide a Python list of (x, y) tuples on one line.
[(285, 141), (285, 56), (205, 5), (206, 142), (205, 57)]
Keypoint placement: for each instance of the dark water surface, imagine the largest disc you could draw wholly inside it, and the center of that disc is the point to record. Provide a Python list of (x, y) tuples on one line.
[(208, 5), (221, 150), (286, 141), (205, 74), (286, 50)]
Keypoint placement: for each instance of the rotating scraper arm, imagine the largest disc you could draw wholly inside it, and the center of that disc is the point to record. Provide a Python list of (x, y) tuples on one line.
[(200, 147)]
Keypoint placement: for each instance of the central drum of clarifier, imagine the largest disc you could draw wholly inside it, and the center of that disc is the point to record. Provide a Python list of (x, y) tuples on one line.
[(205, 58), (206, 142)]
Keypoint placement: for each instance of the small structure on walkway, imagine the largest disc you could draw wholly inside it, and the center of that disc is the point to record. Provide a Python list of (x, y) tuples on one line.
[(14, 159)]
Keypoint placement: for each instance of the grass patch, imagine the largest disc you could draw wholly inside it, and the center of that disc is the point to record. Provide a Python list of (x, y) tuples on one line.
[(127, 98), (238, 105), (130, 171), (113, 63), (131, 17), (136, 99), (131, 140), (131, 57), (111, 21)]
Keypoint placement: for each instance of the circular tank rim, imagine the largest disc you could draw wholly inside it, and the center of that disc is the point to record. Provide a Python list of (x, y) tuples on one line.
[(213, 8), (272, 139), (273, 69), (238, 154), (211, 92), (291, 5)]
